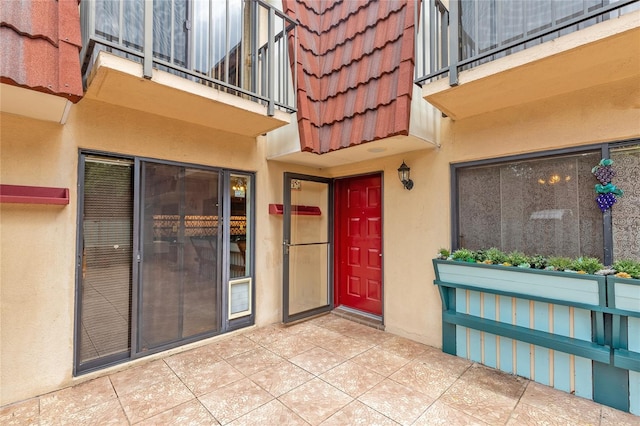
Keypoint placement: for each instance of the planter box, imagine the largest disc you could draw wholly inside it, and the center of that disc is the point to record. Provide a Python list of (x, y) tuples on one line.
[(624, 294), (548, 286)]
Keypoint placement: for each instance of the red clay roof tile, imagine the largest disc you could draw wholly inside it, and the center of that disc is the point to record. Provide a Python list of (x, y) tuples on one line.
[(41, 45), (355, 62)]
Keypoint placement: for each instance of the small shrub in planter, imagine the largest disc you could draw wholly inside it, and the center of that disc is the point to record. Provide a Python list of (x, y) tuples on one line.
[(559, 263), (586, 265), (519, 259), (495, 256), (627, 268), (463, 255)]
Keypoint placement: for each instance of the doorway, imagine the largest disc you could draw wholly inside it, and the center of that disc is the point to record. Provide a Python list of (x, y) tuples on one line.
[(358, 244), (307, 247)]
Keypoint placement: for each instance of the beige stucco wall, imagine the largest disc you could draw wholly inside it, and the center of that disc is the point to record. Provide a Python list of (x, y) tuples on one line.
[(37, 275)]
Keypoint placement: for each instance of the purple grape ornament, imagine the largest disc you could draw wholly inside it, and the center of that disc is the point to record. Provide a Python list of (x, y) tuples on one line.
[(605, 201)]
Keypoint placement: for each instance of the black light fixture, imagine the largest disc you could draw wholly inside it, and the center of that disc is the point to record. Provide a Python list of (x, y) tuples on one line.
[(403, 174)]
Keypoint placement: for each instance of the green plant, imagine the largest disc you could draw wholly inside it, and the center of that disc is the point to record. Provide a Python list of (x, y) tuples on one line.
[(628, 266), (517, 258), (539, 262), (443, 253), (479, 256), (495, 255), (463, 255), (590, 265), (560, 263)]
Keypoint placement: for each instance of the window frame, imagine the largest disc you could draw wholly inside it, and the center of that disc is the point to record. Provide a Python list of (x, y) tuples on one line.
[(603, 148)]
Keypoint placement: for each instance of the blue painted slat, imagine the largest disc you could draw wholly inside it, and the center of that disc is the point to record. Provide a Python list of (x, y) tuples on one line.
[(541, 355), (461, 341), (633, 337), (490, 342), (506, 344), (475, 340), (582, 324), (461, 301), (584, 377), (523, 350), (561, 361), (561, 371), (634, 392), (561, 320)]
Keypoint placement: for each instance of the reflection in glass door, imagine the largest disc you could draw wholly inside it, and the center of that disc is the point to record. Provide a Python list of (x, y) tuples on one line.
[(307, 246), (179, 285)]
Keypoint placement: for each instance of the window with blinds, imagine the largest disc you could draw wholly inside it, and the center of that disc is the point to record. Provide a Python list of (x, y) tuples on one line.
[(107, 240)]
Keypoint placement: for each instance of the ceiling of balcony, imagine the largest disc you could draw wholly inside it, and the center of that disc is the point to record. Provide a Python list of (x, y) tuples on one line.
[(120, 82), (597, 55)]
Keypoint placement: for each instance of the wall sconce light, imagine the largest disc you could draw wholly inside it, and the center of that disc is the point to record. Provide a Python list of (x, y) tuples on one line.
[(403, 174)]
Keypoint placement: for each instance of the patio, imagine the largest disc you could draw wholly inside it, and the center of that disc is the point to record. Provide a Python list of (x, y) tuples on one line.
[(328, 371)]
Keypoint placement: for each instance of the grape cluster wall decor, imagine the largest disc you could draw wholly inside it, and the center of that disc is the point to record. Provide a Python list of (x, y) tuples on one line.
[(606, 191)]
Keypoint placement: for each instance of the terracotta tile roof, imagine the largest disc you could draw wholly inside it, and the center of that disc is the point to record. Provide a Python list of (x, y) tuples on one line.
[(41, 44), (355, 70)]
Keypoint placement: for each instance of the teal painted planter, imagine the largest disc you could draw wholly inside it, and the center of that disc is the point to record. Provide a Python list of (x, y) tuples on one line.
[(564, 288), (547, 326), (624, 294)]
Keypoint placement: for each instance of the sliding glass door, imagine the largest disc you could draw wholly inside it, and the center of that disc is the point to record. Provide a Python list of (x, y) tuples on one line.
[(178, 273), (165, 256)]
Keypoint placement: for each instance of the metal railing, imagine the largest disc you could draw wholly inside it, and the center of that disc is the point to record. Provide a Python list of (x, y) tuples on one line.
[(244, 47), (473, 32)]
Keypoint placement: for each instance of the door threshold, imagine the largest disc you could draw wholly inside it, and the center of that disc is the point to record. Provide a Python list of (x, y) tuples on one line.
[(360, 317)]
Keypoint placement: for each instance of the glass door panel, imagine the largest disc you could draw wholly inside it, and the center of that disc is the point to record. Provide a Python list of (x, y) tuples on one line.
[(179, 288), (307, 246)]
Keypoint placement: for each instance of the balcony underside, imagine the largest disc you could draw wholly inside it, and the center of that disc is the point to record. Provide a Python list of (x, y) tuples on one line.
[(119, 81), (597, 55), (364, 152)]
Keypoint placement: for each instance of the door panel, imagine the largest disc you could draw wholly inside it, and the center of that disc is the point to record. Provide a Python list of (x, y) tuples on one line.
[(307, 246), (359, 243), (179, 285)]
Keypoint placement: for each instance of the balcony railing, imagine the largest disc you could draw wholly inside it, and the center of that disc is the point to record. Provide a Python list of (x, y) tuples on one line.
[(473, 32), (239, 46)]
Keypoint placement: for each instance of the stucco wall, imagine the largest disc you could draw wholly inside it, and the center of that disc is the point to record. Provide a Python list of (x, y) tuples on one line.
[(37, 274)]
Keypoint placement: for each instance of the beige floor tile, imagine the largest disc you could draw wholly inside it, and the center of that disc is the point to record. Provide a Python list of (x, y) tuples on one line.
[(190, 413), (381, 361), (161, 396), (495, 381), (439, 360), (613, 417), (107, 413), (315, 400), (403, 347), (358, 414), (289, 345), (266, 334), (140, 377), (272, 413), (526, 414), (342, 326), (203, 377), (420, 376), (281, 378), (22, 413), (352, 379), (440, 413), (476, 401), (562, 404), (368, 334), (193, 358), (344, 346), (235, 400), (255, 360), (318, 335), (317, 360), (226, 348), (398, 402), (70, 400)]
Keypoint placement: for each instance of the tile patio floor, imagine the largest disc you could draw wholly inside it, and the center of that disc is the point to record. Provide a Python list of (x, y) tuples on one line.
[(326, 371)]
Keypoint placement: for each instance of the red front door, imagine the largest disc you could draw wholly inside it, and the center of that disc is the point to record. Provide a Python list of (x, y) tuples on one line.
[(358, 243)]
